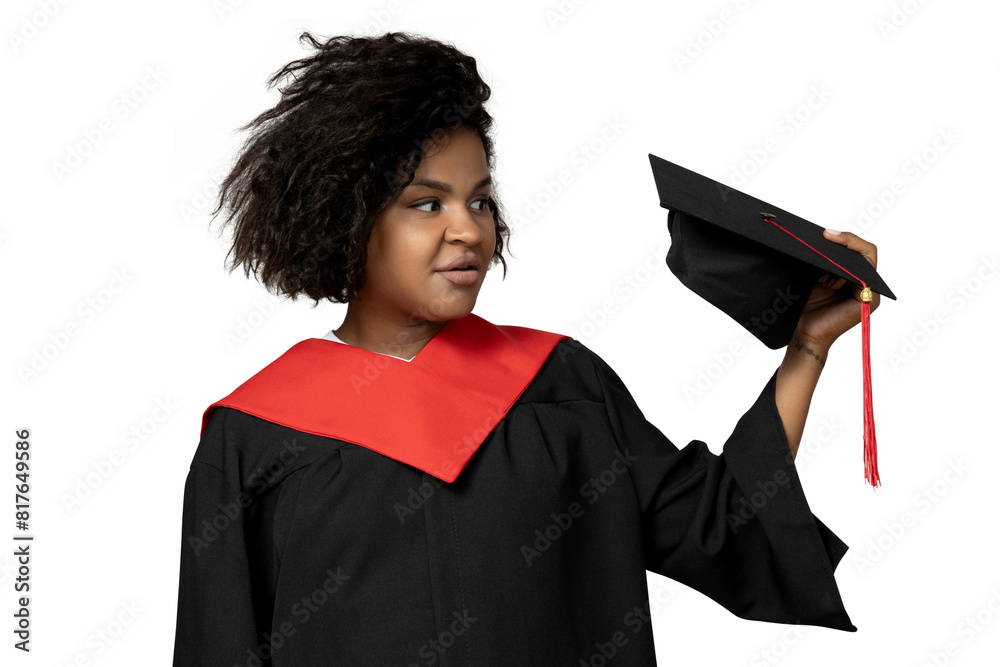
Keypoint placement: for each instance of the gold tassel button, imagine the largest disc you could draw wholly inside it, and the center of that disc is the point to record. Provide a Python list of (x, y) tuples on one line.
[(866, 294)]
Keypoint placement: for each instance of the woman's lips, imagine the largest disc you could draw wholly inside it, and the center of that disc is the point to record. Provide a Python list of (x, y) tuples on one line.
[(461, 277)]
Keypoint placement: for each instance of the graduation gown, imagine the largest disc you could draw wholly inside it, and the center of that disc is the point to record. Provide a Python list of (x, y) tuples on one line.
[(496, 500)]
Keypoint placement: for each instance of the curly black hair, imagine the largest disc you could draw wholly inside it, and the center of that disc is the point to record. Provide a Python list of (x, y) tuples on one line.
[(346, 137)]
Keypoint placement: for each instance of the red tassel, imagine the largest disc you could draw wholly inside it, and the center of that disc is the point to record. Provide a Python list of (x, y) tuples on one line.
[(871, 452)]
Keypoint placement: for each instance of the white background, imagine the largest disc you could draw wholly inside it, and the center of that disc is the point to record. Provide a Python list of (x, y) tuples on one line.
[(846, 95)]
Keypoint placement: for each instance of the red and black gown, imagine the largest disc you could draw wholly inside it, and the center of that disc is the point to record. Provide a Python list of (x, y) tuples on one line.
[(496, 500)]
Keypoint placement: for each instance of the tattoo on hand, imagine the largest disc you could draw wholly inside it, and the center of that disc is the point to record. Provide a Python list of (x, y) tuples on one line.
[(800, 346)]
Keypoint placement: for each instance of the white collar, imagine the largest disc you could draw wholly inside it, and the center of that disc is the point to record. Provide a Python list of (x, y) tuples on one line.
[(332, 336)]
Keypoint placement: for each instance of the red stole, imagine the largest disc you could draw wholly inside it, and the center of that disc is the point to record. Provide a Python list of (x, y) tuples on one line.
[(432, 412)]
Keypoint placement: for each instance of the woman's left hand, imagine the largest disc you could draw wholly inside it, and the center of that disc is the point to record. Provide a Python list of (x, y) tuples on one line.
[(834, 307)]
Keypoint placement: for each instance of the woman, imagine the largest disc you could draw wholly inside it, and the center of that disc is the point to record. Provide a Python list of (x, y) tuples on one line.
[(421, 486)]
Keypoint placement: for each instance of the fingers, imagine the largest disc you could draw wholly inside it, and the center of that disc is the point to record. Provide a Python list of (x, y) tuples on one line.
[(858, 244), (832, 282), (855, 242)]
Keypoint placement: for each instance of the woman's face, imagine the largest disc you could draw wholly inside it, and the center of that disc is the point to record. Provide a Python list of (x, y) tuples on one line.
[(441, 218)]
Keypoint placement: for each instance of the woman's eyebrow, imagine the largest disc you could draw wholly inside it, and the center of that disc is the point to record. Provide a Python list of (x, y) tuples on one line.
[(438, 185)]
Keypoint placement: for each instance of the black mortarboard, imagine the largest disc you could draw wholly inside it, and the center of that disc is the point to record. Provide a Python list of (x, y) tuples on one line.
[(756, 262)]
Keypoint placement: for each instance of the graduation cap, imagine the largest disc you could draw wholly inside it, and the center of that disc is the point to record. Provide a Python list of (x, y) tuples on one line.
[(758, 264)]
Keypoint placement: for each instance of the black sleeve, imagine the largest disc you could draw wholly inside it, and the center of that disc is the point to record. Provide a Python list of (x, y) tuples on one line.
[(734, 526), (216, 615)]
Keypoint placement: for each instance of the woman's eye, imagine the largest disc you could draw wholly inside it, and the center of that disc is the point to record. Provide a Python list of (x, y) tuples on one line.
[(481, 204), (426, 203)]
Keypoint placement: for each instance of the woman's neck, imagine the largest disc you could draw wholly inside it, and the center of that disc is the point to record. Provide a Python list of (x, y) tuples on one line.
[(385, 335)]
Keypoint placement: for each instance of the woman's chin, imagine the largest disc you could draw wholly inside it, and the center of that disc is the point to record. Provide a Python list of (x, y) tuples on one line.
[(450, 306)]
